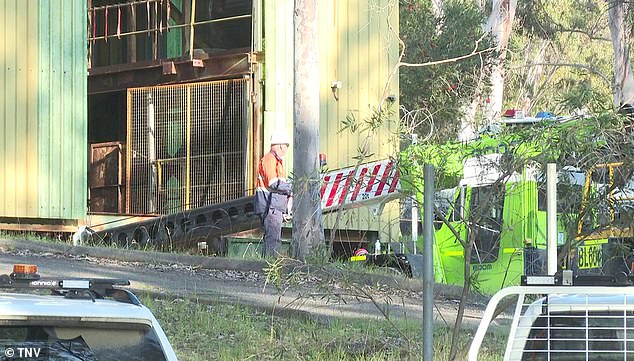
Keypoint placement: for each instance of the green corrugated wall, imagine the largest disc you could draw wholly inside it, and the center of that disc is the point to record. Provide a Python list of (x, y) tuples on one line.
[(357, 48), (43, 109)]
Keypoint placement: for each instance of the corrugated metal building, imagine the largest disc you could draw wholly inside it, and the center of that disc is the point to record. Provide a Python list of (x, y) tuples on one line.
[(43, 112), (213, 78), (358, 51)]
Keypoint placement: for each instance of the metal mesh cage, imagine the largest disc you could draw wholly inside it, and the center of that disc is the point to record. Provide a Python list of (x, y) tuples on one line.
[(187, 146)]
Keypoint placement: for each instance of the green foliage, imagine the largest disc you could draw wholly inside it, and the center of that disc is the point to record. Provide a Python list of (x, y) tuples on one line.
[(560, 60), (376, 119), (583, 143), (446, 159), (370, 125), (440, 90), (580, 94), (580, 143)]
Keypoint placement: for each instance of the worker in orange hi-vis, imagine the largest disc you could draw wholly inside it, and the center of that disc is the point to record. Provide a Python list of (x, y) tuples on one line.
[(273, 193)]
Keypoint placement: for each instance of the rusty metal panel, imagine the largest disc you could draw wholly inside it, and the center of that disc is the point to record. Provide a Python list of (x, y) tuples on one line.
[(187, 146), (62, 108), (105, 177), (358, 51)]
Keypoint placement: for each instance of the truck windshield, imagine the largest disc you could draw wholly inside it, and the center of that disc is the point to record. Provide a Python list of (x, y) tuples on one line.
[(97, 342)]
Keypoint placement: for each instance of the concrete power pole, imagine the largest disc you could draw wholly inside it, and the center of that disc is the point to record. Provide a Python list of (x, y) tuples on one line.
[(308, 232)]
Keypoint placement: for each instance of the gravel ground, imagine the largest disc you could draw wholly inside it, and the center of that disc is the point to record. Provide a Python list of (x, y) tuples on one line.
[(179, 276)]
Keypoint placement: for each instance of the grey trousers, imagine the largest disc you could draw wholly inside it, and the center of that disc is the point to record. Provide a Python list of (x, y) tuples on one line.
[(272, 228)]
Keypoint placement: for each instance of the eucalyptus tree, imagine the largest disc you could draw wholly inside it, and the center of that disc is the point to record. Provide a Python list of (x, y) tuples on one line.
[(500, 25), (619, 12)]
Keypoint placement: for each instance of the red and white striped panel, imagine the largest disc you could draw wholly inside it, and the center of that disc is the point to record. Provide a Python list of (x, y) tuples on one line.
[(372, 182)]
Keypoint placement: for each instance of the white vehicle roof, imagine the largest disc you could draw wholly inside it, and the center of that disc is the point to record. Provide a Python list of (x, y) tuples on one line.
[(94, 311), (19, 305)]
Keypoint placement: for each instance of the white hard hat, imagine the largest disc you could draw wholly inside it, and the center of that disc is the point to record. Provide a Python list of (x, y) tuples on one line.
[(280, 137)]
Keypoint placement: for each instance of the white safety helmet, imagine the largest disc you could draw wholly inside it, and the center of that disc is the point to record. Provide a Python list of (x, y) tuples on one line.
[(280, 137)]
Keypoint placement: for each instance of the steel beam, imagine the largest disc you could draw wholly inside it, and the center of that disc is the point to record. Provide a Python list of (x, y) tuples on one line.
[(150, 73)]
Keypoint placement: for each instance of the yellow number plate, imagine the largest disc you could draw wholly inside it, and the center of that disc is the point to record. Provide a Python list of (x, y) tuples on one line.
[(358, 258), (590, 256)]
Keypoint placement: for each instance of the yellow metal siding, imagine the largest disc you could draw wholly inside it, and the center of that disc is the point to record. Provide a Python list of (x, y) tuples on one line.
[(357, 49), (18, 114), (43, 109), (360, 53), (278, 71)]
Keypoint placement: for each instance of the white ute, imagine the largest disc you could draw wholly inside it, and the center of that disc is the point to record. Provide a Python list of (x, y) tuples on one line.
[(80, 319), (566, 318)]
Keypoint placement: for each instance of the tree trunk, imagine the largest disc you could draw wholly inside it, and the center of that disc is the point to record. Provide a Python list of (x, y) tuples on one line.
[(619, 31), (308, 232), (437, 7), (500, 26), (468, 129), (535, 55)]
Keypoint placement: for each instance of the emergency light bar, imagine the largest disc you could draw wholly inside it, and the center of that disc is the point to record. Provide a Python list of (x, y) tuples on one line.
[(566, 278), (26, 277)]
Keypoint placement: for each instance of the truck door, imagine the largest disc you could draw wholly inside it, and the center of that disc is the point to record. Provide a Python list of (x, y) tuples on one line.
[(485, 218)]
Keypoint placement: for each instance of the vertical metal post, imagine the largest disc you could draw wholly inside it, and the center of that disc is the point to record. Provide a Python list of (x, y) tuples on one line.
[(551, 216), (91, 36), (156, 16), (414, 222), (428, 263), (414, 209), (151, 150), (192, 20), (131, 39), (188, 154), (128, 151)]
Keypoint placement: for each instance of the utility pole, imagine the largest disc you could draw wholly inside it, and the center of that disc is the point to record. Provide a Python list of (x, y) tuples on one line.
[(308, 232)]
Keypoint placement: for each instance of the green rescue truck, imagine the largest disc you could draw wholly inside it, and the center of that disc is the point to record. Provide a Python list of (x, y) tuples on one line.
[(496, 201)]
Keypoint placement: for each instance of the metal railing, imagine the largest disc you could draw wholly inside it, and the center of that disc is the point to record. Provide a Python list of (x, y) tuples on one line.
[(158, 29)]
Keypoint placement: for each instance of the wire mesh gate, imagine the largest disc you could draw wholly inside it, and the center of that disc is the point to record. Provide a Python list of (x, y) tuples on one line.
[(188, 146)]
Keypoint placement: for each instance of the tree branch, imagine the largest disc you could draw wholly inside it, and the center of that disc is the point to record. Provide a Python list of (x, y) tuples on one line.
[(590, 35), (582, 66), (445, 61)]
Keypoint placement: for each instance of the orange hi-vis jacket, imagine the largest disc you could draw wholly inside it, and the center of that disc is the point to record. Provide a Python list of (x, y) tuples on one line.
[(272, 189)]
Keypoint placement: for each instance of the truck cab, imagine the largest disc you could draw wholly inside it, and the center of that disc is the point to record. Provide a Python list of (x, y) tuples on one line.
[(504, 217)]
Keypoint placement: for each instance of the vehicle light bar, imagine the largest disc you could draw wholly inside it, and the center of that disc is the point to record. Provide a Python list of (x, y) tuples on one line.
[(26, 277), (61, 284), (567, 278), (25, 272)]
